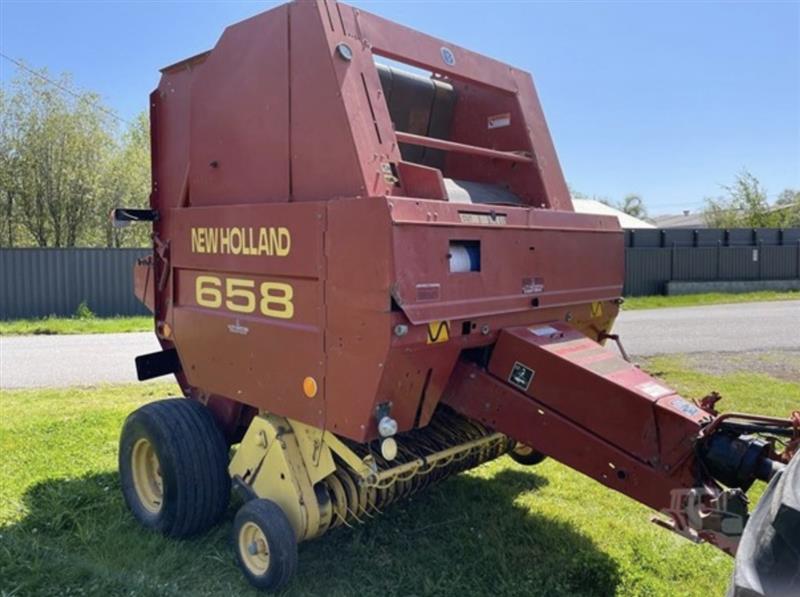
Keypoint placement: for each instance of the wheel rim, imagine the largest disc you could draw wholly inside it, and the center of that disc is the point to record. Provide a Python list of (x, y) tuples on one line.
[(147, 475), (254, 548), (522, 450)]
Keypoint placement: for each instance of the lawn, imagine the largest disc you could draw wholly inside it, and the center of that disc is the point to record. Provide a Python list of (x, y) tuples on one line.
[(634, 303), (501, 529), (76, 325)]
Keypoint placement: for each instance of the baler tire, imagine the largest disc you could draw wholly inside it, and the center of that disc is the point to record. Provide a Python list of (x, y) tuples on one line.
[(263, 521), (191, 462), (526, 456)]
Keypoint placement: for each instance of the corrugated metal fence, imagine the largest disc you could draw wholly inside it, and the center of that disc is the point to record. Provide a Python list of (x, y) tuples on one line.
[(41, 282), (655, 257)]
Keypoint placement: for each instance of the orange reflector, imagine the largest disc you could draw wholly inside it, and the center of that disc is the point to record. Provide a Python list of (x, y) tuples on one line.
[(310, 387), (166, 330)]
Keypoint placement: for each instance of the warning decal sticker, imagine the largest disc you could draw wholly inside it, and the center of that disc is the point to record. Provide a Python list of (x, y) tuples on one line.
[(521, 376), (438, 331), (498, 121), (653, 389)]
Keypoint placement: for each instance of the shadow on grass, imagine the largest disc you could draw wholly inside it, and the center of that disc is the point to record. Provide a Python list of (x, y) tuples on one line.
[(467, 536)]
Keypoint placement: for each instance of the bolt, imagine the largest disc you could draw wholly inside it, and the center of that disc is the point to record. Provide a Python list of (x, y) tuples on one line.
[(485, 329), (345, 52), (400, 329)]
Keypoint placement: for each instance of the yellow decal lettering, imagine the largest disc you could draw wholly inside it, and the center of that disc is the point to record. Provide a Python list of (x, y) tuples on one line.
[(274, 299), (198, 246), (212, 236), (265, 240), (207, 291), (236, 246), (224, 240), (284, 242)]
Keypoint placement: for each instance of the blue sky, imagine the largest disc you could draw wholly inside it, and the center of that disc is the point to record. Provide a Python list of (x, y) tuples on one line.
[(666, 99)]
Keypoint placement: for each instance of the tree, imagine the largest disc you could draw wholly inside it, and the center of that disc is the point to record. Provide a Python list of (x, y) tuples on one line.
[(53, 148), (746, 206), (787, 208), (633, 205), (126, 183)]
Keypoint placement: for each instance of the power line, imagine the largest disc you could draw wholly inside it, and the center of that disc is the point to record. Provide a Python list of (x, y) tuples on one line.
[(64, 89)]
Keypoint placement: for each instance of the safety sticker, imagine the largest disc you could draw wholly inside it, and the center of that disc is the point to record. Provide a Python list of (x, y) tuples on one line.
[(438, 331), (532, 285), (521, 376), (447, 56), (428, 292), (544, 331), (597, 309), (684, 406), (653, 389), (498, 121)]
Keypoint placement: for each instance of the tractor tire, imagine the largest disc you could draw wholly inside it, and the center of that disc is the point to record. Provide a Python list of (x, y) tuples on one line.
[(768, 558), (265, 545), (523, 454), (173, 465)]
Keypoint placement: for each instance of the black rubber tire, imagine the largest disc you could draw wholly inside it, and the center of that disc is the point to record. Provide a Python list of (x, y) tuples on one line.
[(281, 544), (193, 459), (768, 558), (527, 457)]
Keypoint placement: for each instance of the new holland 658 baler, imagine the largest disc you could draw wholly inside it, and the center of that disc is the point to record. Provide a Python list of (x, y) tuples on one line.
[(369, 280)]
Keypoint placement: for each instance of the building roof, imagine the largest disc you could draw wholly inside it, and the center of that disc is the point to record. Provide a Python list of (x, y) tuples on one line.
[(591, 206), (684, 220)]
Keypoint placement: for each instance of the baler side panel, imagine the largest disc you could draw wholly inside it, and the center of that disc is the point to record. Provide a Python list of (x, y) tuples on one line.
[(523, 265), (357, 301), (240, 115), (232, 330), (170, 141), (340, 136)]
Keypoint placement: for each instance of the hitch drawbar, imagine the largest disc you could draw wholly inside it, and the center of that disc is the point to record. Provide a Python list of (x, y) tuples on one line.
[(563, 394)]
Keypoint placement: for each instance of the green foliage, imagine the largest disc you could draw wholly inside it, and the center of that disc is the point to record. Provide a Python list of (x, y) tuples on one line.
[(83, 312), (73, 325), (746, 205), (635, 303), (63, 164)]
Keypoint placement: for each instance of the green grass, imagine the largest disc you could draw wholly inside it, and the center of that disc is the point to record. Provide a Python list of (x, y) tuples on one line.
[(501, 529), (634, 303), (74, 325)]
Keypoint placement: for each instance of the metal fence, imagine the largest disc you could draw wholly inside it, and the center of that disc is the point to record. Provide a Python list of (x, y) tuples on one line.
[(655, 257), (41, 282)]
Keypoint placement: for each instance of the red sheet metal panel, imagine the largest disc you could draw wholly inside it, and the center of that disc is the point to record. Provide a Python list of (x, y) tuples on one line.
[(477, 394), (240, 115), (529, 259), (595, 388)]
